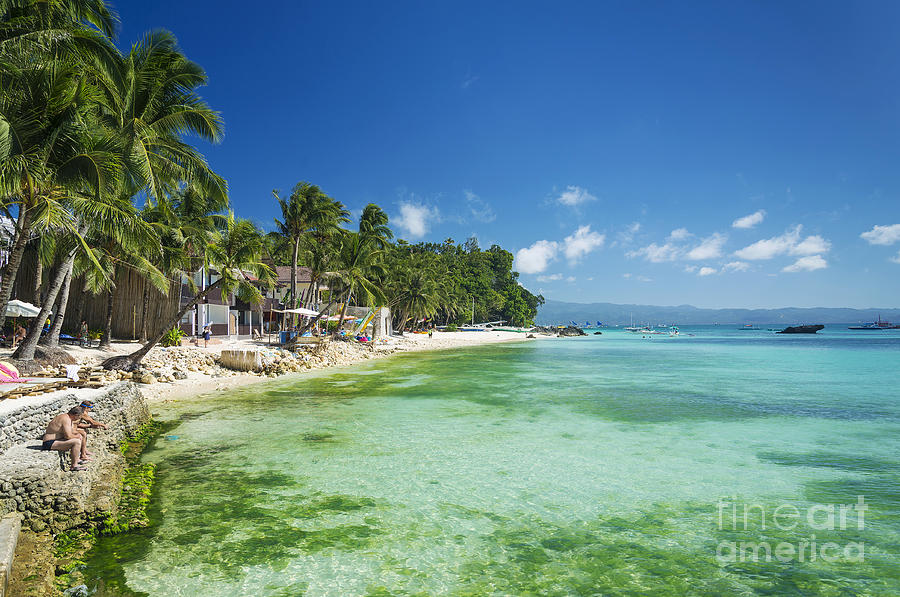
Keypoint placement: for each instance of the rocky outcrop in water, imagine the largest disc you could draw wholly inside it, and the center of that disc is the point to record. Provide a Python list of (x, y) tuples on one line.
[(569, 330), (802, 329)]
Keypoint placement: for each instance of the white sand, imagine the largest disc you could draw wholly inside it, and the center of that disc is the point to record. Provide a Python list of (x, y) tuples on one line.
[(199, 383)]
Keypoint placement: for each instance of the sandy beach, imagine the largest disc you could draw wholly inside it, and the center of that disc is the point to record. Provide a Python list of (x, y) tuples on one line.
[(338, 354)]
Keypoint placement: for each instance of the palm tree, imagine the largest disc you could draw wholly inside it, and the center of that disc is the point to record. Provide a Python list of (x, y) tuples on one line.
[(359, 272), (235, 253), (111, 214), (183, 222), (135, 247), (417, 295), (51, 150), (151, 102), (308, 214)]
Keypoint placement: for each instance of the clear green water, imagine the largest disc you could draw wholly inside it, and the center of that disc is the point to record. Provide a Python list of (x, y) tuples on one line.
[(589, 466)]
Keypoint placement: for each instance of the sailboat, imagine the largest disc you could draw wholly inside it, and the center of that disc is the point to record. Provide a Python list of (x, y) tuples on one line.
[(632, 328)]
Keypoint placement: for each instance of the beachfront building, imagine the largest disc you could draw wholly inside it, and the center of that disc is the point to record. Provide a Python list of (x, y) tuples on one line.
[(138, 307)]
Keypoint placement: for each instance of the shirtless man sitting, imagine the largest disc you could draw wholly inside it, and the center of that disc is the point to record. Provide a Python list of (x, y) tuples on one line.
[(83, 424), (61, 436)]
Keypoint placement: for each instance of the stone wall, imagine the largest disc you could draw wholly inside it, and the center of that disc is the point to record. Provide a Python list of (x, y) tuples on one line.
[(38, 484)]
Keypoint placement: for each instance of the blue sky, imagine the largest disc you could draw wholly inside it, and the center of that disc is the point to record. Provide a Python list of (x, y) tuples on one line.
[(614, 147)]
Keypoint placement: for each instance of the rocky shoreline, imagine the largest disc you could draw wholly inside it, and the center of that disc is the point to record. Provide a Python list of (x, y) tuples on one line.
[(39, 491)]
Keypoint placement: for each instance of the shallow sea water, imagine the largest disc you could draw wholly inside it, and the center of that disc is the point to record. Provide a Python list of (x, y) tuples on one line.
[(605, 465)]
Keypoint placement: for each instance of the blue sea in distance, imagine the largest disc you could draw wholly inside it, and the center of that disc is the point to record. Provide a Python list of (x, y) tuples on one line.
[(718, 462)]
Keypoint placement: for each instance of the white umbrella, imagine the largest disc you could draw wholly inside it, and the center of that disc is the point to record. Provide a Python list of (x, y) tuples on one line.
[(17, 308), (302, 311)]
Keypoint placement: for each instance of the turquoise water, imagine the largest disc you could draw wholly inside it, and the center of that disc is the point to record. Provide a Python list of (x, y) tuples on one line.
[(605, 465)]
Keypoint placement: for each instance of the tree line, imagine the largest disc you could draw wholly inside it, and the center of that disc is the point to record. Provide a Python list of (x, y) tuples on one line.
[(98, 174)]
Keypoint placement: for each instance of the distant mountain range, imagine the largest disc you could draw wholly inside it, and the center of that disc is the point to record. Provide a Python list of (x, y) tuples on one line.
[(557, 312)]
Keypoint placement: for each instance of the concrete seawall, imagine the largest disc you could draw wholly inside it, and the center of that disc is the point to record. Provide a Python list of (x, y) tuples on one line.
[(37, 488), (241, 360)]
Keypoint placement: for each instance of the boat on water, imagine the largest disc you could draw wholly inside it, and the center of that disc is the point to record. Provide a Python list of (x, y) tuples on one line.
[(878, 324), (750, 327)]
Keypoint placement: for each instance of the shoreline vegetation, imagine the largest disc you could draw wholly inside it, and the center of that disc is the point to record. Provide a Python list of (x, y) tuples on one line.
[(127, 230)]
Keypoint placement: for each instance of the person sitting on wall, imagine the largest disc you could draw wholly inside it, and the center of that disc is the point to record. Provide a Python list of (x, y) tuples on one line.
[(87, 422), (18, 335), (61, 436)]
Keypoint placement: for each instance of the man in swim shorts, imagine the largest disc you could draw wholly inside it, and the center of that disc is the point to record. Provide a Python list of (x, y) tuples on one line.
[(83, 424), (61, 436)]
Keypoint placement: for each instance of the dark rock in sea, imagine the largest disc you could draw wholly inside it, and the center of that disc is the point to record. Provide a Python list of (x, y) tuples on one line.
[(802, 329), (598, 333), (571, 330)]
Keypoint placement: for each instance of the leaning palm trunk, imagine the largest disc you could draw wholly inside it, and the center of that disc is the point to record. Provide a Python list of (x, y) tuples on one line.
[(131, 361), (52, 339), (25, 352), (23, 229), (309, 324), (340, 321)]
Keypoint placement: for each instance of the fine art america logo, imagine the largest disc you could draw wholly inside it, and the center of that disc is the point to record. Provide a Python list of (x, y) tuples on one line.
[(735, 516)]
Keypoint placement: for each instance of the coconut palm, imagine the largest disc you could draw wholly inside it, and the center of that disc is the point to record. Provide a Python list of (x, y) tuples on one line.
[(51, 150), (312, 216), (150, 100), (135, 247), (111, 214), (235, 253)]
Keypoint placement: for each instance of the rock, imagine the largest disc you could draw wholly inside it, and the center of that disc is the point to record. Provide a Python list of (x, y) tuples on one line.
[(178, 374), (147, 378)]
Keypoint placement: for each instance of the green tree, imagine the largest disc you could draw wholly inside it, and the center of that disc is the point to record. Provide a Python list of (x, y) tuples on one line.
[(235, 253)]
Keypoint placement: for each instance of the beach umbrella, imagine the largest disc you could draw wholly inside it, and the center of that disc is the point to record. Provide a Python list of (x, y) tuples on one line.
[(17, 308)]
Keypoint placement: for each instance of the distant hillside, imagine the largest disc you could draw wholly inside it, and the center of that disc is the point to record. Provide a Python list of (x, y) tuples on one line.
[(560, 312)]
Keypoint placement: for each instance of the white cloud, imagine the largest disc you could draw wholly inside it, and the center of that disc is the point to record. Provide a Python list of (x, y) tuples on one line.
[(736, 266), (655, 253), (807, 264), (690, 268), (749, 221), (788, 243), (680, 234), (536, 258), (644, 279), (897, 258), (570, 279), (626, 276), (770, 247), (811, 245), (709, 248), (416, 218), (706, 271), (582, 242), (479, 208), (882, 235), (573, 196), (550, 278)]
